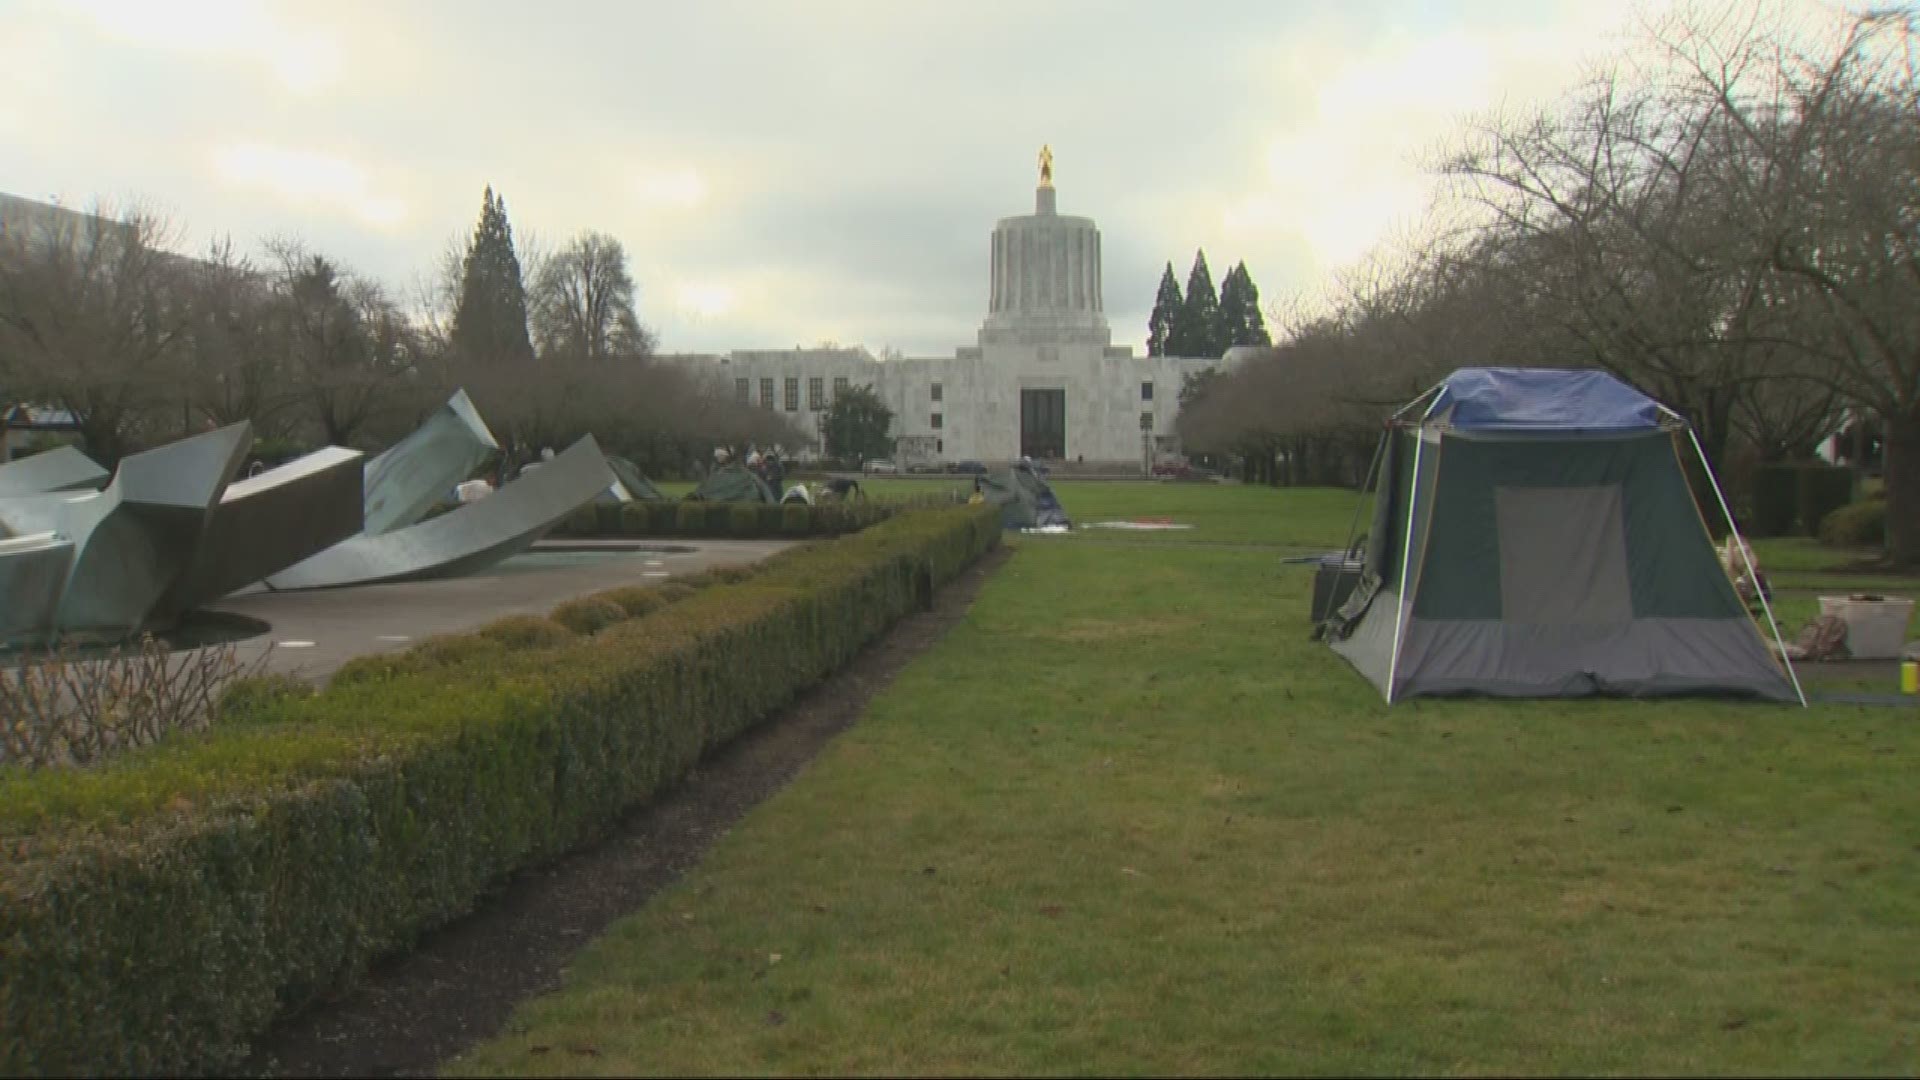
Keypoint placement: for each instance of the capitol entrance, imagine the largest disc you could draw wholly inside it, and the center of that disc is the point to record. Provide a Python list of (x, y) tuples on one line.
[(1043, 424)]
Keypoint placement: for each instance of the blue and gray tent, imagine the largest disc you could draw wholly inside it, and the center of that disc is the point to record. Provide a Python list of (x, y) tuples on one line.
[(1534, 535)]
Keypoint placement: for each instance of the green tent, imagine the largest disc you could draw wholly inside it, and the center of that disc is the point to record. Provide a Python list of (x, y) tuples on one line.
[(639, 488), (734, 483), (1534, 536), (1024, 498)]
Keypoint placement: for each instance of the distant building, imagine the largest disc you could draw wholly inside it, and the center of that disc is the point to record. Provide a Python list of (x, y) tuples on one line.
[(1043, 380)]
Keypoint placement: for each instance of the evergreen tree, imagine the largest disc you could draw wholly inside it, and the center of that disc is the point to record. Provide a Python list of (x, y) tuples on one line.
[(1196, 330), (856, 424), (490, 320), (1240, 320), (1166, 310)]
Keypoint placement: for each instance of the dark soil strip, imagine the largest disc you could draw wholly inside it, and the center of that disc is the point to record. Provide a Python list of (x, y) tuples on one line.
[(457, 988)]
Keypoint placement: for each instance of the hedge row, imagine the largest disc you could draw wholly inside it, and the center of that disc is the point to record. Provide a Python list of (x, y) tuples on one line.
[(710, 520), (1861, 524), (158, 913), (1791, 500)]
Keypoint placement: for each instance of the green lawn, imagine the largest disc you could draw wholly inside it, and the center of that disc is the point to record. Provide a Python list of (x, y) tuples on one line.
[(1128, 819)]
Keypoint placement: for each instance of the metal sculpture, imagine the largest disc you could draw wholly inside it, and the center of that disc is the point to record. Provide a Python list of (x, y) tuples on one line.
[(133, 539), (403, 483), (266, 523), (61, 469), (462, 541)]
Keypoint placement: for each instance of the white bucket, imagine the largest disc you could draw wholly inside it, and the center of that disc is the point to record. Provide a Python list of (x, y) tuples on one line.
[(1876, 629)]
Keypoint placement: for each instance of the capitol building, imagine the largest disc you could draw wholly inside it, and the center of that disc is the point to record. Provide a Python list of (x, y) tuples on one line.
[(1043, 379)]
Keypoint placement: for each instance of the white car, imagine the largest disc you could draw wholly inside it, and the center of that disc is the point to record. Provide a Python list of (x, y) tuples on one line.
[(879, 465)]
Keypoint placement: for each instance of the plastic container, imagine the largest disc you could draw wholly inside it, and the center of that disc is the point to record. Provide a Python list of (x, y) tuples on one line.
[(1876, 625), (1333, 581)]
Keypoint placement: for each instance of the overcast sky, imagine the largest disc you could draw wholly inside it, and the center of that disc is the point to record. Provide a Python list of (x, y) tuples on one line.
[(781, 173)]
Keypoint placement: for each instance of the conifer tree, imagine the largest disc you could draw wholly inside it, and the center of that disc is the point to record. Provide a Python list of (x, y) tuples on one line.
[(490, 320), (1195, 332), (1240, 320), (1166, 311)]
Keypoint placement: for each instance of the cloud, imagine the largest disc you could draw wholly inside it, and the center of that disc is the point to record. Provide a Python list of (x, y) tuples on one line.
[(306, 178), (303, 59)]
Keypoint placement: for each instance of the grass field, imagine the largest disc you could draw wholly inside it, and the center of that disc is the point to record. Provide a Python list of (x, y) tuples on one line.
[(1128, 819)]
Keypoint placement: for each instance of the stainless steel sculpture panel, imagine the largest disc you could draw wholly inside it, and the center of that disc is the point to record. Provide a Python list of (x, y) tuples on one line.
[(403, 483), (61, 469), (462, 541), (266, 523), (32, 569), (133, 539)]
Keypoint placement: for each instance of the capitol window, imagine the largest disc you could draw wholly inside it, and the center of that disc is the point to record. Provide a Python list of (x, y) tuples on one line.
[(937, 419), (766, 393), (936, 391), (743, 391), (816, 393), (1146, 391), (793, 393)]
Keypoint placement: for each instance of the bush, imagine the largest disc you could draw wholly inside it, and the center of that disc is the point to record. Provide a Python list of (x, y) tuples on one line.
[(663, 518), (156, 914), (526, 632), (796, 519), (690, 518), (588, 614), (449, 650), (1775, 500), (636, 519), (1822, 489), (768, 518), (635, 600), (1860, 524), (675, 591), (584, 521), (244, 697), (743, 521)]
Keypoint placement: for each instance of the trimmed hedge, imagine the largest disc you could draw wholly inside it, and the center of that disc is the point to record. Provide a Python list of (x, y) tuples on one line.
[(157, 913), (1791, 499), (714, 520)]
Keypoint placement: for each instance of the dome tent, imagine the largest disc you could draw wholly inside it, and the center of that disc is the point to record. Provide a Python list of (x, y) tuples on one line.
[(1534, 536)]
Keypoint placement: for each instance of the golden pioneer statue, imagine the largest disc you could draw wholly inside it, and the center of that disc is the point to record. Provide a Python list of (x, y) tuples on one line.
[(1046, 166)]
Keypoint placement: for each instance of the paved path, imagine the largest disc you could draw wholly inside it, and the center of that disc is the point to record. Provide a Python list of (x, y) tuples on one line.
[(316, 631)]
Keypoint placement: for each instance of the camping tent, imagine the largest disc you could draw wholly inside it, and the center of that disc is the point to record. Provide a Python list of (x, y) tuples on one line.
[(637, 486), (734, 483), (1024, 498), (1534, 536)]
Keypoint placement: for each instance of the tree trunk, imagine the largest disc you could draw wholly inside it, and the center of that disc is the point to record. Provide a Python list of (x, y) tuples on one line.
[(1901, 442)]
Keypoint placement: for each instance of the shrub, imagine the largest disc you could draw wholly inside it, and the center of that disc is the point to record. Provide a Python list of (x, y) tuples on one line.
[(155, 915), (731, 575), (636, 519), (635, 600), (663, 518), (256, 693), (584, 521), (588, 614), (448, 650), (796, 519), (526, 632), (768, 519), (743, 521), (607, 518), (1775, 500), (377, 669), (719, 519), (1822, 490), (675, 591), (690, 518), (1860, 524)]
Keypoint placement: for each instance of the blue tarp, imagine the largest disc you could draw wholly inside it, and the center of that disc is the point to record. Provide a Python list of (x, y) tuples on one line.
[(1543, 399)]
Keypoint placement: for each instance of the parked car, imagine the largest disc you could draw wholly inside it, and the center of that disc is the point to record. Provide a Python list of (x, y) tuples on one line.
[(973, 468), (879, 465), (924, 467)]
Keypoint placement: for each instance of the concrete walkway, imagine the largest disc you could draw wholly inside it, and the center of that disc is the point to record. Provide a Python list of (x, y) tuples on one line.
[(314, 632)]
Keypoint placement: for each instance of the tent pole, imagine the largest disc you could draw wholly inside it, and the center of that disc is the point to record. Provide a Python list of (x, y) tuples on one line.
[(1366, 483), (1406, 556), (1435, 388), (1734, 530)]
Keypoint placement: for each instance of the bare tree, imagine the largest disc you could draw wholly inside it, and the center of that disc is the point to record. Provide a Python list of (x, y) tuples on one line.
[(89, 320), (582, 302)]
